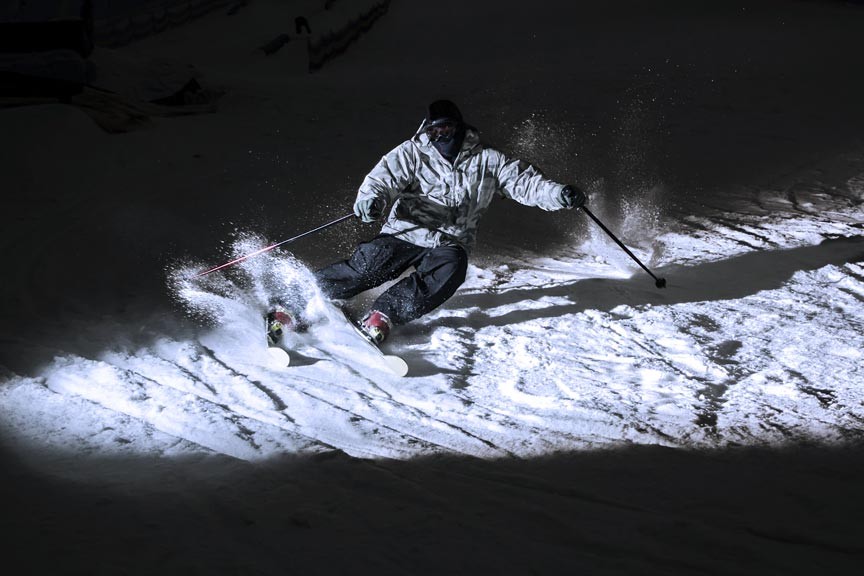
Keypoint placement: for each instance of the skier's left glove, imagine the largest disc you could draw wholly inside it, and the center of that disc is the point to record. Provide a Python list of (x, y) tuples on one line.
[(369, 209), (572, 197)]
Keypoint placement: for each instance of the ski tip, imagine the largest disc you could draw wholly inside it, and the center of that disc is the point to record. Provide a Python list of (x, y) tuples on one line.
[(278, 356), (396, 365)]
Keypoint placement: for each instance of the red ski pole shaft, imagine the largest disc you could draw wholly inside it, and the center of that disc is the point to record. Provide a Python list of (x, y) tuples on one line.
[(272, 246)]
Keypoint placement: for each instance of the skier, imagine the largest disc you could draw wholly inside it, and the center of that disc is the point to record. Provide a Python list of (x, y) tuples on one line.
[(433, 189)]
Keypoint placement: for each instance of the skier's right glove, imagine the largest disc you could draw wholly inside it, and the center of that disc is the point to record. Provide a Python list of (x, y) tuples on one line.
[(572, 197), (369, 209)]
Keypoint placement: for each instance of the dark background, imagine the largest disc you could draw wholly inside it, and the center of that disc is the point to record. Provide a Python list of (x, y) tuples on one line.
[(697, 103)]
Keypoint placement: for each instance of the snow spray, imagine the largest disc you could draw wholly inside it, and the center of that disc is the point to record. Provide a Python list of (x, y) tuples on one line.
[(247, 289), (659, 282)]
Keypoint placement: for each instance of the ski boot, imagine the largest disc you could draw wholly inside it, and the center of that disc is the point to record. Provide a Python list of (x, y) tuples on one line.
[(281, 319), (376, 326)]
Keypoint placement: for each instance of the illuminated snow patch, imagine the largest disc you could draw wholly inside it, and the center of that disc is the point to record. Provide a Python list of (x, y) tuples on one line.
[(552, 362)]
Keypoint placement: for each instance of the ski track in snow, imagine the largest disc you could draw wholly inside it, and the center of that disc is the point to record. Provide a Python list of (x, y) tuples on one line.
[(757, 340)]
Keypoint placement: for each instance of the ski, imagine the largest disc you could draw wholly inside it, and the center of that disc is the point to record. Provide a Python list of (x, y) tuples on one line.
[(392, 363), (374, 356)]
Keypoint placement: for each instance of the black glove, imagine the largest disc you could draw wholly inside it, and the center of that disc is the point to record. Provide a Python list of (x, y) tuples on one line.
[(572, 197), (369, 209)]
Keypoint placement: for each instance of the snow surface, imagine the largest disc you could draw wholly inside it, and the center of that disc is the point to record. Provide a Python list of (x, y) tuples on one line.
[(561, 413)]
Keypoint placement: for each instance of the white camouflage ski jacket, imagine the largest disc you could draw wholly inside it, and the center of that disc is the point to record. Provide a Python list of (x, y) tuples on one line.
[(434, 203)]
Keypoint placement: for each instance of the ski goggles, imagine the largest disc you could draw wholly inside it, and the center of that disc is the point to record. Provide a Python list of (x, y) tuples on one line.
[(442, 131)]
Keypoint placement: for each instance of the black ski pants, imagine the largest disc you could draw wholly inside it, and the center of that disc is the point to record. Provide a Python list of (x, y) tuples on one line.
[(438, 272)]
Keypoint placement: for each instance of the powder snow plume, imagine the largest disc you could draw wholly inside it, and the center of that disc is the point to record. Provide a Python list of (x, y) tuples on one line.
[(251, 286)]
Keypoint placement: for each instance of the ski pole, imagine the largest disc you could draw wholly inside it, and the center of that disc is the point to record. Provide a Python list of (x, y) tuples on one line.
[(660, 282), (272, 246)]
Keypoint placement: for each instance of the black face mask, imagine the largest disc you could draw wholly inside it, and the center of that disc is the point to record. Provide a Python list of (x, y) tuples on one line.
[(449, 148)]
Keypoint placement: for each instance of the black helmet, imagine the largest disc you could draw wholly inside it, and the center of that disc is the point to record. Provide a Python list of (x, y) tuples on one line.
[(443, 121), (442, 111)]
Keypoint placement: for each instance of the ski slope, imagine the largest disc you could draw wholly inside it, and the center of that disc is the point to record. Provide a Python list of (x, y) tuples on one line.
[(756, 341)]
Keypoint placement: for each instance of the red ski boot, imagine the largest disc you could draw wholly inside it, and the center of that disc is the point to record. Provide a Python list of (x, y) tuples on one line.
[(376, 326), (280, 320)]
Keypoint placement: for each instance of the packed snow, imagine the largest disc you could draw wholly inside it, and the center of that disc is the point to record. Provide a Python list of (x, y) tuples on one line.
[(560, 410)]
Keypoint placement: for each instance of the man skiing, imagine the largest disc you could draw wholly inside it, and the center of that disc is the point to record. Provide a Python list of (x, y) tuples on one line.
[(433, 189)]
